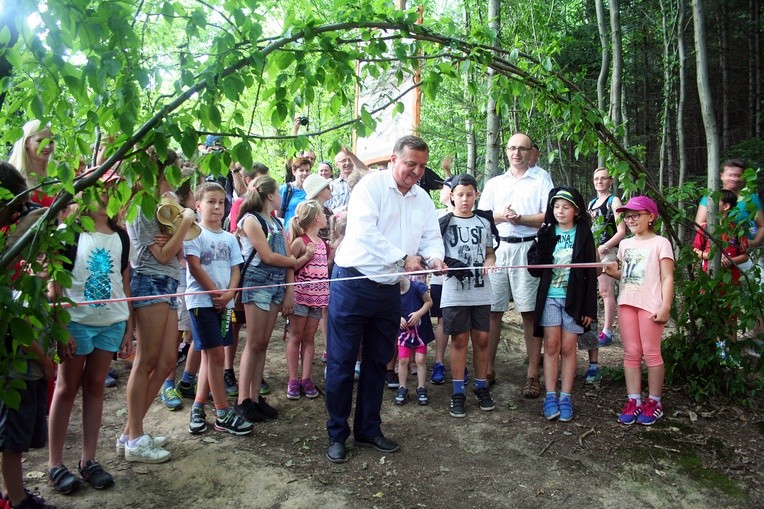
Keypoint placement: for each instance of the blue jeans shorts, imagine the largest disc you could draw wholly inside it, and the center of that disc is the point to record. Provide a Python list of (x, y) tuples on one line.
[(555, 316), (303, 310), (263, 297), (90, 337), (144, 285)]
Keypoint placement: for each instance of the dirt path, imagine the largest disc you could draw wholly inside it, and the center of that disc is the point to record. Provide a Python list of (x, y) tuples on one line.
[(697, 456)]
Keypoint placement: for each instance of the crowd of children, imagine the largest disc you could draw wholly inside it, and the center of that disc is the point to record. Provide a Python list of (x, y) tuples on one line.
[(285, 269)]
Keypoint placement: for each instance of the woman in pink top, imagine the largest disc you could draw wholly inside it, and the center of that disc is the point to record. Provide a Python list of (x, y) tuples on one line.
[(644, 304), (310, 297)]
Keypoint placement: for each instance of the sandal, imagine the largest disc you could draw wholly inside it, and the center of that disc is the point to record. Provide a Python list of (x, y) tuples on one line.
[(532, 387), (95, 475), (64, 481)]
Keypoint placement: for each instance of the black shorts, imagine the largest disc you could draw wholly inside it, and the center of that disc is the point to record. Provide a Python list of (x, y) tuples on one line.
[(27, 427), (459, 319), (436, 292)]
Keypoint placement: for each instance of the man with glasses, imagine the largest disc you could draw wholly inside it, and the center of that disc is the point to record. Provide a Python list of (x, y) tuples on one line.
[(346, 161), (518, 201)]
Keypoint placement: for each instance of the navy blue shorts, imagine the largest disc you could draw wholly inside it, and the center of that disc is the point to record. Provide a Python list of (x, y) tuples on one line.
[(207, 326)]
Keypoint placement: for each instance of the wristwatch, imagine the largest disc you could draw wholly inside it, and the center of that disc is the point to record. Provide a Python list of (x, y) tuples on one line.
[(402, 262)]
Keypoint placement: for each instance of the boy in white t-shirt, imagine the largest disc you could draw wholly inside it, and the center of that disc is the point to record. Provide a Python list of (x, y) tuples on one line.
[(213, 261)]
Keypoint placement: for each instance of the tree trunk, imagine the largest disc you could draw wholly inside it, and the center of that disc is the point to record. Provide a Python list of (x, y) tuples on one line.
[(724, 64), (615, 82), (681, 152), (604, 66), (469, 125), (707, 110), (493, 130), (667, 87), (754, 72)]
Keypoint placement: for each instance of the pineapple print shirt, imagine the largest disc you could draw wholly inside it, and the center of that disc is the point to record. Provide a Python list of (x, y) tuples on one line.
[(96, 276)]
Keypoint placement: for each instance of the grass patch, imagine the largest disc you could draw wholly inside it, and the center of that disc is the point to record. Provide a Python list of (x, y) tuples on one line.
[(691, 466)]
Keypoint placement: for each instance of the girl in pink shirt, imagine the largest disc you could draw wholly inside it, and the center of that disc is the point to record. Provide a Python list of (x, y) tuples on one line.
[(644, 304), (311, 295)]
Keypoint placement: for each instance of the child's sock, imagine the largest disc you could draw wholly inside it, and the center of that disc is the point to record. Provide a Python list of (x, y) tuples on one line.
[(656, 398), (609, 332), (458, 386), (124, 438), (188, 378), (593, 365), (198, 404), (480, 383), (551, 393), (168, 384), (229, 370), (221, 412), (637, 397), (564, 395)]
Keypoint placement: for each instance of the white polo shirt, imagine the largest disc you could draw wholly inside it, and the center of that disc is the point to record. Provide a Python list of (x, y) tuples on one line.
[(525, 195)]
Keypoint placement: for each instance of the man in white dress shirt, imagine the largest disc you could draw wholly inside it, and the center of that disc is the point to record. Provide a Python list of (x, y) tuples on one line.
[(518, 201), (392, 227)]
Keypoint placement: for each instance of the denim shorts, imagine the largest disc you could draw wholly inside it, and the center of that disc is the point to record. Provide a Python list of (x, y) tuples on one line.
[(555, 316), (264, 297), (144, 285), (310, 312), (90, 337)]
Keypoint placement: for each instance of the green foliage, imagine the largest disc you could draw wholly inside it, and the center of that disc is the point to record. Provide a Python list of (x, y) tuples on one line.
[(168, 73)]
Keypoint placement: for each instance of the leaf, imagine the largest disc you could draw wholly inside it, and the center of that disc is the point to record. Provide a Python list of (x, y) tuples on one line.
[(21, 330), (242, 152)]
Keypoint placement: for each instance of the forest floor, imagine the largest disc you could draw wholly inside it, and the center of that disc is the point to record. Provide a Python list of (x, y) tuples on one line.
[(696, 456)]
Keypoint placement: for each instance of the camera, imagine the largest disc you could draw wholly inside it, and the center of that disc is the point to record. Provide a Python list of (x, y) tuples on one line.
[(303, 120)]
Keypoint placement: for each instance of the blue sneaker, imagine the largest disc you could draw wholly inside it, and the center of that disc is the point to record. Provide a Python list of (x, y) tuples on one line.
[(551, 407), (604, 339), (592, 376), (566, 409), (111, 378), (438, 374), (171, 399)]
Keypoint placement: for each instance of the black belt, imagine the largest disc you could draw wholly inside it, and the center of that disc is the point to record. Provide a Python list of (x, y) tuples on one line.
[(517, 240)]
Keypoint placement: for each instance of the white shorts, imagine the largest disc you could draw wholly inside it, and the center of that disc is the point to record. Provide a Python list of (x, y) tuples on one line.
[(515, 283)]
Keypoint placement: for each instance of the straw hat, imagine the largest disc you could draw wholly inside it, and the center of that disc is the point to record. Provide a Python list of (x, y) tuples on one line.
[(169, 214)]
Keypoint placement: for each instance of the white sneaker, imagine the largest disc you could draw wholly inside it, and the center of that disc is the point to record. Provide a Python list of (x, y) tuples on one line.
[(158, 441), (146, 451)]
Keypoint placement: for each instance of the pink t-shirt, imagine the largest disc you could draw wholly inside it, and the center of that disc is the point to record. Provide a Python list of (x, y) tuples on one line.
[(641, 271), (234, 214)]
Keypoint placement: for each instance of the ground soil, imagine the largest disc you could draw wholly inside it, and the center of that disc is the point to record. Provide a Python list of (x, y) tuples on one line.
[(696, 456)]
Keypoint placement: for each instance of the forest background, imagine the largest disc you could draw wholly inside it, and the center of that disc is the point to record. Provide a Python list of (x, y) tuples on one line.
[(659, 91)]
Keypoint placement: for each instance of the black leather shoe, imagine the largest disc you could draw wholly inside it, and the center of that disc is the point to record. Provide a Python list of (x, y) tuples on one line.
[(380, 443), (336, 452)]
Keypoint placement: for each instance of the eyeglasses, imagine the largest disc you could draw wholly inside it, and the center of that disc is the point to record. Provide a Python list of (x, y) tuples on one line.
[(633, 217), (522, 150)]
